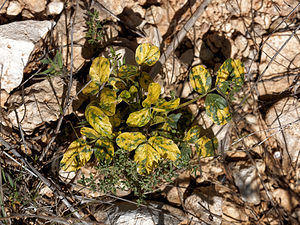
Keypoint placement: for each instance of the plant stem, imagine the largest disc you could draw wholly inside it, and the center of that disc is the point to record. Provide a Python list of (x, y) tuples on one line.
[(193, 100)]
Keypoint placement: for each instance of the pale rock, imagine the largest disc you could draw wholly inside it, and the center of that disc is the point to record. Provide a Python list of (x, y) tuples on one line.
[(253, 143), (297, 213), (253, 53), (157, 16), (246, 180), (17, 41), (259, 31), (241, 43), (233, 8), (210, 170), (283, 119), (153, 35), (239, 25), (186, 90), (27, 14), (285, 199), (236, 154), (66, 176), (227, 27), (194, 109), (278, 24), (125, 213), (4, 7), (246, 52), (234, 50), (55, 7), (46, 191), (35, 6), (245, 6), (122, 190), (100, 215), (14, 8), (200, 201), (285, 7), (41, 103), (117, 6), (172, 69), (176, 193), (264, 20), (196, 61), (278, 76), (138, 9), (197, 47), (3, 97), (232, 213)]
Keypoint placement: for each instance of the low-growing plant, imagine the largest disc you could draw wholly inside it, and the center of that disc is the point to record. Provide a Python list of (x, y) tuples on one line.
[(94, 33), (55, 66), (139, 138)]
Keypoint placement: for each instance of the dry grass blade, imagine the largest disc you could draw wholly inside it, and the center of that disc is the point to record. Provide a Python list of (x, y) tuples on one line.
[(50, 184)]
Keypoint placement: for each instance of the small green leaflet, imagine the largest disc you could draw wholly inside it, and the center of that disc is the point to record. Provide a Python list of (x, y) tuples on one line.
[(217, 109)]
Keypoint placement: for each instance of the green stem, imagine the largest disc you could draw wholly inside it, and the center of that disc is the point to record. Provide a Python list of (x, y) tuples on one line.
[(193, 100)]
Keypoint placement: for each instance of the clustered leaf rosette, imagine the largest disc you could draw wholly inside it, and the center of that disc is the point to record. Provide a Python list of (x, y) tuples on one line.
[(127, 109), (104, 116)]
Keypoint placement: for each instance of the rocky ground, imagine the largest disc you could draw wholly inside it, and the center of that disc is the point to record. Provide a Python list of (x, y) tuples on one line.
[(254, 179)]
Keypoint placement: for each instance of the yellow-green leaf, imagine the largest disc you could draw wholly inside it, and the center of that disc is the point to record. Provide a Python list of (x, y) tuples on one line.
[(217, 109), (116, 120), (89, 133), (125, 96), (147, 54), (108, 101), (147, 158), (100, 70), (193, 134), (230, 76), (117, 83), (206, 147), (77, 155), (157, 120), (104, 150), (98, 120), (153, 94), (92, 88), (133, 90), (130, 140), (127, 71), (166, 147), (200, 79), (163, 105), (145, 80), (139, 118)]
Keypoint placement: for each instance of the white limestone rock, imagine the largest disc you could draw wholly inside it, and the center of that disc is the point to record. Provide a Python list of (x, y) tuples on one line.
[(41, 103), (55, 7), (14, 8), (17, 41)]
